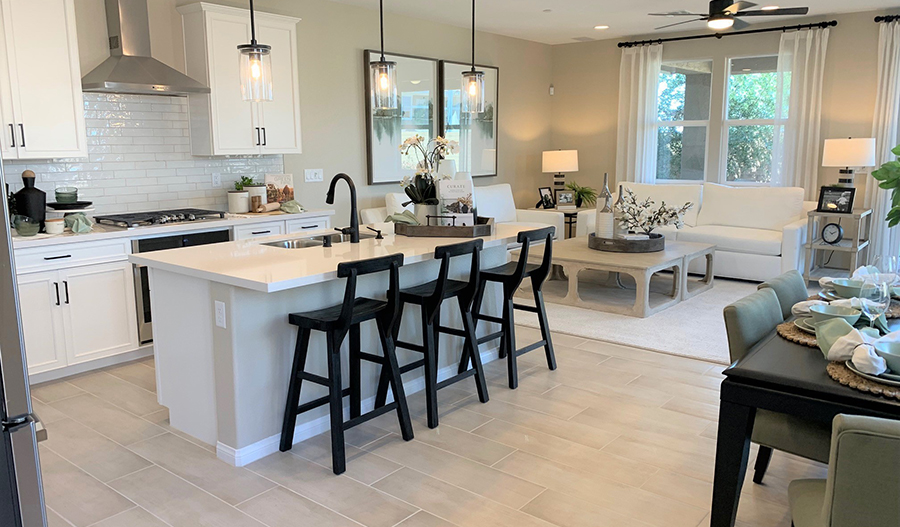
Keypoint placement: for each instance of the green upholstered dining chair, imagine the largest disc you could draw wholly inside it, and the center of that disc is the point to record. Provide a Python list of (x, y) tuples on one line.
[(747, 321), (790, 288), (863, 485)]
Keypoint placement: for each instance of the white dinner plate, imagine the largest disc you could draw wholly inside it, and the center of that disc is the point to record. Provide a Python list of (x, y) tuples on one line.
[(889, 378)]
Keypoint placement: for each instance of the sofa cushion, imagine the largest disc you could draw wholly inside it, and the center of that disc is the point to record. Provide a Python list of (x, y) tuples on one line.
[(734, 239), (756, 207), (394, 201), (674, 196), (496, 201)]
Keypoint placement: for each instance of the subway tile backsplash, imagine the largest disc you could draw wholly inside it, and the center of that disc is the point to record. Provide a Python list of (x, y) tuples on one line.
[(140, 159)]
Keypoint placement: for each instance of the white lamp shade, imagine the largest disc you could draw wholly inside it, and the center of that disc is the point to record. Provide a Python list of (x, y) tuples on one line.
[(559, 161), (853, 152)]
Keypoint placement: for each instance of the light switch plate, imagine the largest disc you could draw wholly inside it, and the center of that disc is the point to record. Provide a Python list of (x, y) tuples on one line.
[(220, 314), (217, 180), (313, 175)]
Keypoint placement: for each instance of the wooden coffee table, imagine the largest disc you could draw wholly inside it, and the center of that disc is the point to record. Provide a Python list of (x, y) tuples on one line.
[(574, 256)]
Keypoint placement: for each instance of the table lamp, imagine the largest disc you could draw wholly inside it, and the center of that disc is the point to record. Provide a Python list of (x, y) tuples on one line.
[(557, 162), (848, 154)]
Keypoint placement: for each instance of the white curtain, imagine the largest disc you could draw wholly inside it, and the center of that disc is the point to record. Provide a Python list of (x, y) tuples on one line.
[(801, 64), (885, 125), (636, 137)]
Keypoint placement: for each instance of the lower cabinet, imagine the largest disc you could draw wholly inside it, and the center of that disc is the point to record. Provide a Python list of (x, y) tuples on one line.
[(77, 314)]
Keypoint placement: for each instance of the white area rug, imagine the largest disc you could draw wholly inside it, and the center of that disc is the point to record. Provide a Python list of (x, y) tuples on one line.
[(693, 328)]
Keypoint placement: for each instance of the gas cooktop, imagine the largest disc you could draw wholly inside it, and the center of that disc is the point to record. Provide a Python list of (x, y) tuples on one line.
[(161, 217)]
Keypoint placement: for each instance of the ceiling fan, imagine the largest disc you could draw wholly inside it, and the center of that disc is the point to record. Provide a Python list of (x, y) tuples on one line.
[(725, 14)]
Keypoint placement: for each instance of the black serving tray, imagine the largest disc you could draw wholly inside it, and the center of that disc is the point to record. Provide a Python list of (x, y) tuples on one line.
[(70, 206)]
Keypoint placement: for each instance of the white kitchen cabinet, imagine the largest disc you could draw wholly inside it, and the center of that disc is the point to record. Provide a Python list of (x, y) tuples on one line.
[(40, 301), (307, 224), (258, 230), (222, 123), (42, 108)]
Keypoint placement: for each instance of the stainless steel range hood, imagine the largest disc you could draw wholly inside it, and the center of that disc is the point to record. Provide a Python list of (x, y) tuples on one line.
[(130, 68)]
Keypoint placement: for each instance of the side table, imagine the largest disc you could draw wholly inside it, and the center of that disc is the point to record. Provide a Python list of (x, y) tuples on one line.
[(854, 245)]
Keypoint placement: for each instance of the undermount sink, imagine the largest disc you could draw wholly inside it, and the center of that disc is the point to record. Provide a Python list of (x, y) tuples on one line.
[(315, 241)]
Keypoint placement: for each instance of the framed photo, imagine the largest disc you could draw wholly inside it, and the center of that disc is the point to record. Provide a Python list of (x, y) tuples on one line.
[(476, 133), (836, 199), (546, 201), (565, 199), (418, 114)]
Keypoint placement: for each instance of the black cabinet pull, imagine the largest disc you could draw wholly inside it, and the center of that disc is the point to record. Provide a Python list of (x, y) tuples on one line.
[(22, 131), (264, 136), (257, 136), (66, 284), (261, 232), (309, 226), (12, 136), (57, 257), (56, 285)]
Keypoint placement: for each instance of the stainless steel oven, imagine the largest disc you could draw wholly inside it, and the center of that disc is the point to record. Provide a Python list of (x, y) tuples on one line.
[(141, 282)]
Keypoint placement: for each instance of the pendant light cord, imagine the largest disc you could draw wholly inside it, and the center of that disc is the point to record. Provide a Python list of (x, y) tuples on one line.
[(473, 35), (252, 25), (381, 19)]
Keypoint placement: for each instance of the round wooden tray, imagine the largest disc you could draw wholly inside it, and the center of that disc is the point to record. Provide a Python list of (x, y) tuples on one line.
[(656, 243), (794, 334), (892, 312), (842, 374)]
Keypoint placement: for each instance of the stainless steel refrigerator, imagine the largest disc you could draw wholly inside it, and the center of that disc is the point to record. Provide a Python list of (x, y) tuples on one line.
[(21, 491)]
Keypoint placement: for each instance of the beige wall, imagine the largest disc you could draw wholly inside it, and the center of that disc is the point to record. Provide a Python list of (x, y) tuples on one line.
[(585, 76), (331, 40)]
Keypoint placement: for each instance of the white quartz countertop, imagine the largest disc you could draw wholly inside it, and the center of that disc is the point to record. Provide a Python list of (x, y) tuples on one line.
[(252, 265), (108, 232)]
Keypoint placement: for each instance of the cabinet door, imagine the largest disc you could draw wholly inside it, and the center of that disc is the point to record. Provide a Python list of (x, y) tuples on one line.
[(233, 119), (259, 230), (45, 75), (40, 303), (8, 136), (308, 224), (99, 311), (280, 118)]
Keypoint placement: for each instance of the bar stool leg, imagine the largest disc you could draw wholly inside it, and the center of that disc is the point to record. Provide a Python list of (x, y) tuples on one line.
[(335, 399), (472, 340), (509, 332), (355, 398), (393, 369), (430, 369), (293, 398), (545, 326)]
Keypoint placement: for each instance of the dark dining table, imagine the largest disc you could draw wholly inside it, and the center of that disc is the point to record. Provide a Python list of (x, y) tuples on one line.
[(780, 376)]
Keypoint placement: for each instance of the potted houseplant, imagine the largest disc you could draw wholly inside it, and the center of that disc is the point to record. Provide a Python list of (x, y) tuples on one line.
[(421, 189), (583, 195), (888, 177), (256, 189), (239, 199)]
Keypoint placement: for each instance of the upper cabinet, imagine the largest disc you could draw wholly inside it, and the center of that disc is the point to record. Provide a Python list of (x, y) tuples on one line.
[(222, 123), (41, 104)]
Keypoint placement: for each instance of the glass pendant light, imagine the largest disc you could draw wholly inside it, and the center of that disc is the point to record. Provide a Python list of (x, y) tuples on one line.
[(473, 81), (384, 76), (256, 66)]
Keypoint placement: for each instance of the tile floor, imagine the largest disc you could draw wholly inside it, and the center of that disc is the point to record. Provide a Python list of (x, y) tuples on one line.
[(616, 436)]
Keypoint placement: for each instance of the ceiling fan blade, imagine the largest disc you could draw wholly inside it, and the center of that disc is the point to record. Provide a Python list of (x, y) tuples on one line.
[(739, 25), (680, 23), (676, 13), (776, 12), (739, 6)]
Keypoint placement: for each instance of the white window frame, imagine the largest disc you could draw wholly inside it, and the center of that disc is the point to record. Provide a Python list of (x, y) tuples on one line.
[(686, 123)]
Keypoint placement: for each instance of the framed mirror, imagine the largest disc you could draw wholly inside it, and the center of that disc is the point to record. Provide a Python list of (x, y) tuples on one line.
[(476, 134), (417, 86)]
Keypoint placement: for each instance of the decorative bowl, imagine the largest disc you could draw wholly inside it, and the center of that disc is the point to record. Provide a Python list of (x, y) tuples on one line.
[(847, 287), (890, 352), (26, 226), (822, 313), (66, 195)]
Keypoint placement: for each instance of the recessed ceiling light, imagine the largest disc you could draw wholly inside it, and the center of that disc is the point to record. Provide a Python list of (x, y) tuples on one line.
[(769, 8), (601, 27)]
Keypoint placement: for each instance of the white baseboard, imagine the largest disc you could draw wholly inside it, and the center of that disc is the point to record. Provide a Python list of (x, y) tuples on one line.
[(67, 371), (260, 449)]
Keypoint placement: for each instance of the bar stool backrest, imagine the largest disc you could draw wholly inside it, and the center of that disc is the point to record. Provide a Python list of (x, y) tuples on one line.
[(526, 238), (353, 270), (445, 253)]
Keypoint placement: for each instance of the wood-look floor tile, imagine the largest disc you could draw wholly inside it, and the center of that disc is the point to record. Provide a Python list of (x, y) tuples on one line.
[(73, 494), (695, 408), (363, 434), (111, 421), (602, 397), (54, 391), (280, 507), (691, 462), (55, 520), (623, 418), (662, 371), (539, 403), (567, 511), (688, 391), (424, 519), (475, 477), (692, 491), (202, 468), (474, 447), (90, 451), (136, 373), (177, 502), (456, 505), (646, 356), (566, 357), (463, 419), (341, 494), (362, 465), (161, 419), (118, 392), (136, 517), (45, 412)]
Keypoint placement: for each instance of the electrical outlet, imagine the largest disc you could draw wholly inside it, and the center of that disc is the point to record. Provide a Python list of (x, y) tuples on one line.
[(217, 180), (220, 314), (313, 175)]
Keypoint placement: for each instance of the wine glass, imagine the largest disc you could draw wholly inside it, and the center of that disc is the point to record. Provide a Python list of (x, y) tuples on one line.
[(874, 298), (887, 267)]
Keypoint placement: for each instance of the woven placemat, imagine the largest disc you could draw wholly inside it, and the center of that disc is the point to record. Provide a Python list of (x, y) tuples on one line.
[(892, 312), (794, 334), (842, 374)]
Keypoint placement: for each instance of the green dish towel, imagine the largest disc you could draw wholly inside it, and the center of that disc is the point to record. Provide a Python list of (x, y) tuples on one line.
[(406, 217), (78, 222), (292, 207)]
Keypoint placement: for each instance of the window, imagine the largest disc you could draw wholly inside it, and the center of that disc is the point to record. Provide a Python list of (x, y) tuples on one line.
[(754, 119), (683, 120)]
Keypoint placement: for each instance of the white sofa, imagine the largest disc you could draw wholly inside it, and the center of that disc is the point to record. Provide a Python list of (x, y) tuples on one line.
[(759, 232), (493, 201)]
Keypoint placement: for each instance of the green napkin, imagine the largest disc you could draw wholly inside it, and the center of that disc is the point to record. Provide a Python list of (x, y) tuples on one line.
[(829, 331), (880, 323), (291, 207), (406, 217), (78, 222)]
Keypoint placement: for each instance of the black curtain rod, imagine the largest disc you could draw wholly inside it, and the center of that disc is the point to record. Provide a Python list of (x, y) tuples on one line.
[(820, 25), (887, 18)]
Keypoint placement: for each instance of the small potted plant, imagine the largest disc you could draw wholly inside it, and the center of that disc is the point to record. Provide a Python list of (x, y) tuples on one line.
[(421, 188), (256, 189), (239, 199), (583, 195)]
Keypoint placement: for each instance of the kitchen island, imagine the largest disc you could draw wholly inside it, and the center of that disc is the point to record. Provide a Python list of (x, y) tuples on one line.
[(223, 346)]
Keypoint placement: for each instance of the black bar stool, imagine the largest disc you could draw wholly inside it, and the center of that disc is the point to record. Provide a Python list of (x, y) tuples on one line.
[(336, 322), (430, 296), (511, 275)]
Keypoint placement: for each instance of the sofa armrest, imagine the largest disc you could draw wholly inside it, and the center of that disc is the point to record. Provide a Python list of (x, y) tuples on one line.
[(793, 239), (369, 216), (586, 222), (547, 217)]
